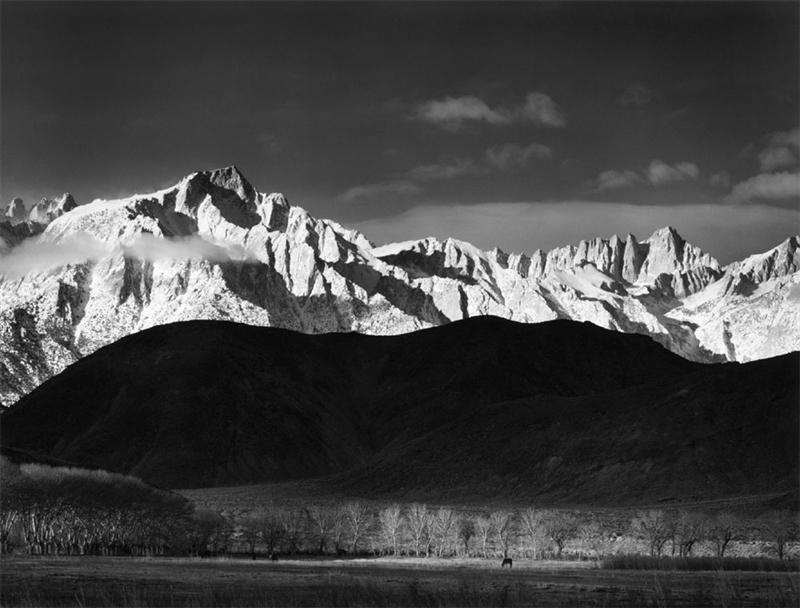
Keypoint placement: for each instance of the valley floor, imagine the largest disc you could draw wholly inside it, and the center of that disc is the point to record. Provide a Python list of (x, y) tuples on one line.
[(120, 581)]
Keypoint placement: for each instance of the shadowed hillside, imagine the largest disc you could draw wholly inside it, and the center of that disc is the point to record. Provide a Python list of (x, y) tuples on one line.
[(483, 406)]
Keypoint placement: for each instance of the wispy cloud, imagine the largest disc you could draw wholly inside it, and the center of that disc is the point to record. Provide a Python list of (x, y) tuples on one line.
[(444, 170), (611, 179), (541, 109), (661, 173), (453, 112), (379, 189), (781, 151), (657, 173), (269, 142), (636, 94), (514, 156), (720, 180), (767, 186), (35, 255), (503, 157)]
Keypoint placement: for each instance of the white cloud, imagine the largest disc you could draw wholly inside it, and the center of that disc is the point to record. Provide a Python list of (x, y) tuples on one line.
[(781, 151), (659, 172), (35, 255), (611, 179), (514, 156), (154, 249), (541, 109), (376, 190), (790, 138), (453, 112), (504, 157), (727, 232), (443, 171), (766, 186), (773, 158)]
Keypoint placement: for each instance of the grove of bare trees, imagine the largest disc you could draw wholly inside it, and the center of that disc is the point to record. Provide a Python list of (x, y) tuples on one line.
[(57, 510)]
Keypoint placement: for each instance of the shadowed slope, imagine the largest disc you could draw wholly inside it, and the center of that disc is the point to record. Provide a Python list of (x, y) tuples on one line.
[(483, 405)]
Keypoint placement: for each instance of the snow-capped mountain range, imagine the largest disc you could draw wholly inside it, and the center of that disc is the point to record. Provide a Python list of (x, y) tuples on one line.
[(74, 278)]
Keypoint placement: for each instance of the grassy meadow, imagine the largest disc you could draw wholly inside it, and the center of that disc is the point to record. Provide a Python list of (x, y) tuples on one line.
[(118, 581)]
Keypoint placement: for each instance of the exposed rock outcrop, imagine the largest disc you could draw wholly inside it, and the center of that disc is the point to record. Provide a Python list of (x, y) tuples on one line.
[(212, 247)]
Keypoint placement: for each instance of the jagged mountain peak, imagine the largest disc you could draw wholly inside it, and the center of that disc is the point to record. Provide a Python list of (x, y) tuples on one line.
[(263, 261), (666, 233), (231, 178), (782, 260), (16, 213), (48, 209)]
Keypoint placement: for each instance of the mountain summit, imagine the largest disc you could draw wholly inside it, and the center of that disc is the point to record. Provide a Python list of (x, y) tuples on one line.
[(212, 247)]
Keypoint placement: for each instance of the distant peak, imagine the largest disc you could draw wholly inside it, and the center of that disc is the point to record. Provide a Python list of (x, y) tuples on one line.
[(16, 211), (228, 178), (231, 178), (667, 232)]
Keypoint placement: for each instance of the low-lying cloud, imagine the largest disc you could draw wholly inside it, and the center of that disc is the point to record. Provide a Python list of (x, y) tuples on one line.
[(727, 232), (35, 255)]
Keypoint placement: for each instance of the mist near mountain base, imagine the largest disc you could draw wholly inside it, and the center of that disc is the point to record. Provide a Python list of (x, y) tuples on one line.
[(37, 255)]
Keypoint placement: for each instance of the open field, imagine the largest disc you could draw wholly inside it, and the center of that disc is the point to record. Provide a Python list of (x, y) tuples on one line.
[(104, 581)]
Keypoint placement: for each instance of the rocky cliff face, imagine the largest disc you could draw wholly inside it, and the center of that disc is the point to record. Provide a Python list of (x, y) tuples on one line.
[(212, 247), (15, 213)]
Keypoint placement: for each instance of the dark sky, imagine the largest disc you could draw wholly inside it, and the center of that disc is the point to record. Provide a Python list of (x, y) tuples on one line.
[(517, 124)]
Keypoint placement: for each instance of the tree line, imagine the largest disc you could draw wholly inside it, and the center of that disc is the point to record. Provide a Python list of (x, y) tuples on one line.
[(57, 510)]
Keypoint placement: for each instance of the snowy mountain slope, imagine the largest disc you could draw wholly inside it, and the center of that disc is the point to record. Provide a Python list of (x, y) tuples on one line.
[(212, 247)]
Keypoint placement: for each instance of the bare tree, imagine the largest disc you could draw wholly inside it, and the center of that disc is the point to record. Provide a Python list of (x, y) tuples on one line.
[(592, 538), (559, 526), (250, 526), (689, 528), (484, 529), (272, 529), (443, 522), (322, 518), (466, 531), (357, 517), (338, 527), (391, 521), (502, 524), (652, 527), (532, 526), (723, 528), (780, 527), (417, 519), (292, 521)]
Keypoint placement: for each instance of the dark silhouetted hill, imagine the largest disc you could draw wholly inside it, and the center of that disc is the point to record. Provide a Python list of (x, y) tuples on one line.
[(483, 407)]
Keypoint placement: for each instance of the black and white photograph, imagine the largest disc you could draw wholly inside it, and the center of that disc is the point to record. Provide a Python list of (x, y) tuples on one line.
[(399, 303)]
